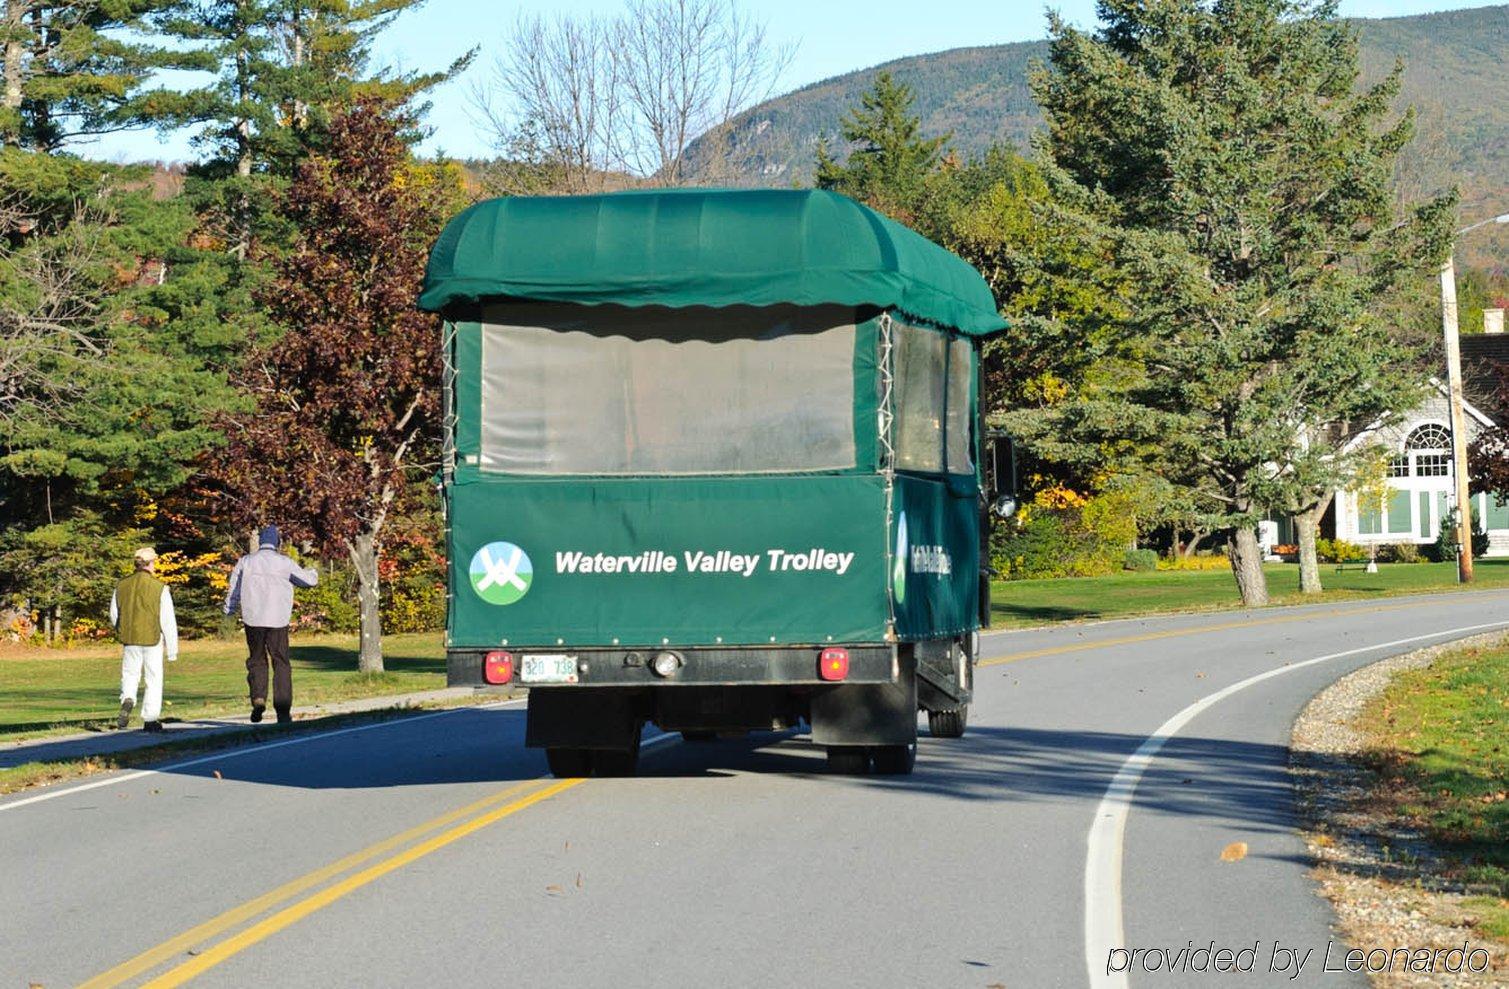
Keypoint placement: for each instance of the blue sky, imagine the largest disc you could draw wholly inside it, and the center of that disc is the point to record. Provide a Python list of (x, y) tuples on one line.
[(832, 37)]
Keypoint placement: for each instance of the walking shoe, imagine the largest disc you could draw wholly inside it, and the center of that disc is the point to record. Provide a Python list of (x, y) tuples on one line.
[(284, 716), (152, 726), (257, 708), (125, 715)]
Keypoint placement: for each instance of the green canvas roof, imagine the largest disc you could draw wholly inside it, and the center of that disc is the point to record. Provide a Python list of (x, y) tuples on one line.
[(703, 247)]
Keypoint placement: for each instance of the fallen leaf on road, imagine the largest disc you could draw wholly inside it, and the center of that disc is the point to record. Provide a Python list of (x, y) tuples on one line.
[(568, 846), (1234, 852), (554, 889), (1199, 676), (218, 776)]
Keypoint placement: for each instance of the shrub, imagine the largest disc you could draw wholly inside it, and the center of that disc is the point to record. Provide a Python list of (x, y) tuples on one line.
[(1202, 561), (330, 605), (1399, 553), (1140, 560), (1061, 534), (1445, 546), (406, 609), (1338, 550)]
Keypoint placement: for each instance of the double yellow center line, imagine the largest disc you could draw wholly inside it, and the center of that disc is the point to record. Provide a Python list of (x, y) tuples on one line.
[(533, 792)]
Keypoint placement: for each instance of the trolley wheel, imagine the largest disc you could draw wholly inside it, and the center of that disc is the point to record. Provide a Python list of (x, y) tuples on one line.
[(848, 760), (894, 760), (568, 763), (948, 724), (617, 762)]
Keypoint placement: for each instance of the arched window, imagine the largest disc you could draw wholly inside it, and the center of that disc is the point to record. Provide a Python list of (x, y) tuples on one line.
[(1427, 453), (1431, 436)]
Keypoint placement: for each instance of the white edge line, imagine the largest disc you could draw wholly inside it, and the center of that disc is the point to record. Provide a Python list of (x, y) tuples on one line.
[(1104, 928), (236, 753)]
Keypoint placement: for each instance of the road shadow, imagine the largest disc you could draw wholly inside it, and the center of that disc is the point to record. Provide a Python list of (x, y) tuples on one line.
[(1009, 614), (338, 659), (1241, 782)]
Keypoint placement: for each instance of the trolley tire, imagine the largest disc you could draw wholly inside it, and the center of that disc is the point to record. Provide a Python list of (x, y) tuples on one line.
[(948, 724), (848, 760), (569, 763), (617, 762), (894, 760)]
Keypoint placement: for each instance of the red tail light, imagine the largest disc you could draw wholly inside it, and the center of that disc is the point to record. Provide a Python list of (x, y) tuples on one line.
[(833, 664), (497, 667)]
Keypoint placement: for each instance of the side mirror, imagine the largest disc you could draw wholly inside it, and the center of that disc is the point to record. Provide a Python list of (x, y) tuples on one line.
[(1000, 473), (1004, 507)]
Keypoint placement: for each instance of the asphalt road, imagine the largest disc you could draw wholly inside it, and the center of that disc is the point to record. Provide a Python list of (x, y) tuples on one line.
[(1105, 768)]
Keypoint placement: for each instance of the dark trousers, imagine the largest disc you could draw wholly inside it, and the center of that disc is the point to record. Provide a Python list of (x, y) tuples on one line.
[(263, 644)]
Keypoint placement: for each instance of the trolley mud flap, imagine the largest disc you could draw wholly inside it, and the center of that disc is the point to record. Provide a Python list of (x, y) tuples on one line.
[(868, 714), (581, 719)]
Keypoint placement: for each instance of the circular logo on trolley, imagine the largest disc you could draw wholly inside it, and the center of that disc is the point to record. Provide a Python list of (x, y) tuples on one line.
[(898, 569), (501, 573)]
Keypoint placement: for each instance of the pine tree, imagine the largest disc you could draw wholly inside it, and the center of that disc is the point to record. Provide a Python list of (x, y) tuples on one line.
[(1244, 184), (284, 68), (78, 68), (889, 161)]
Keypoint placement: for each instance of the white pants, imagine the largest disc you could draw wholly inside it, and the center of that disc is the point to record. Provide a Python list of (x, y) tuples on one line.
[(134, 661)]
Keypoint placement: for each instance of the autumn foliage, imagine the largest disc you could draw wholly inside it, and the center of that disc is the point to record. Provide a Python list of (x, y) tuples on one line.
[(347, 396)]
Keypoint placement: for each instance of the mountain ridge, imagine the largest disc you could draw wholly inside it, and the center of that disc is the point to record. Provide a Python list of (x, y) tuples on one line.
[(979, 94)]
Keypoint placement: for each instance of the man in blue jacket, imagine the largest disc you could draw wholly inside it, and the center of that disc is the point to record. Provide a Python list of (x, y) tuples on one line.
[(262, 587)]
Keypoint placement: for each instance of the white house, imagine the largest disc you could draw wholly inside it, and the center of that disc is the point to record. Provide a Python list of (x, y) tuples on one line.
[(1421, 486)]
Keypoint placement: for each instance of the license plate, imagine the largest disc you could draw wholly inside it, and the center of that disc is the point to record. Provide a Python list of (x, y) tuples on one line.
[(549, 668)]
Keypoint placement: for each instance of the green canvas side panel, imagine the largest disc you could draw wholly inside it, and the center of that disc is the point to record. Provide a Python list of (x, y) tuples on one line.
[(935, 559), (689, 561), (1398, 512), (468, 391)]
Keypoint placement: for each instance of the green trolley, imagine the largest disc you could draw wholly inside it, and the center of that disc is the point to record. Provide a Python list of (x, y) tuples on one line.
[(712, 461)]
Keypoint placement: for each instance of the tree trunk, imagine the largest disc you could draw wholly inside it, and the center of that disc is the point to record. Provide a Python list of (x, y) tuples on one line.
[(363, 550), (15, 65), (1187, 551), (1306, 526), (1247, 565)]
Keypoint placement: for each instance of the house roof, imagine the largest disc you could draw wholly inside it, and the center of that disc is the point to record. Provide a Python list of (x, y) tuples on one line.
[(703, 247)]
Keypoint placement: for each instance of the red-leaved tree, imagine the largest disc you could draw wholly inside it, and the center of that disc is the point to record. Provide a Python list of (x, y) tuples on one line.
[(346, 399)]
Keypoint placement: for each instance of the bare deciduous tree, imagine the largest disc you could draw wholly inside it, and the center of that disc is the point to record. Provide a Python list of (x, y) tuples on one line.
[(577, 104)]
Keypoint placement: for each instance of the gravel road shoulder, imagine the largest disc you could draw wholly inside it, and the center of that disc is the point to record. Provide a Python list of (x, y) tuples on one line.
[(1381, 879)]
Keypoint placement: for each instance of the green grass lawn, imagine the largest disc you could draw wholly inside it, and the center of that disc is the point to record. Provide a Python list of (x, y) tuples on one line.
[(45, 690), (1440, 737), (1019, 603)]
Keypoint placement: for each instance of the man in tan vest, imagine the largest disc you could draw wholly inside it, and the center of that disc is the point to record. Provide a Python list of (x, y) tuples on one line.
[(141, 609)]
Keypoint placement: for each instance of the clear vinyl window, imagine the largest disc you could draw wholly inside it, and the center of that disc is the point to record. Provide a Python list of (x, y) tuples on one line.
[(627, 390), (919, 360), (930, 369), (961, 370)]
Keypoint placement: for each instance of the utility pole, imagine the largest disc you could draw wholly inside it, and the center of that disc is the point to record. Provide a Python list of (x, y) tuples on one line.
[(1452, 335), (1458, 418)]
